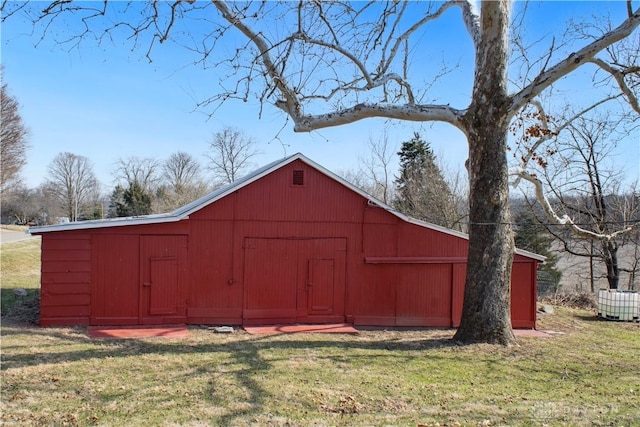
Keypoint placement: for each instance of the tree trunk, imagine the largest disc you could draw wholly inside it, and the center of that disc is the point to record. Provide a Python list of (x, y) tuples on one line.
[(634, 266), (486, 313), (592, 280), (610, 251)]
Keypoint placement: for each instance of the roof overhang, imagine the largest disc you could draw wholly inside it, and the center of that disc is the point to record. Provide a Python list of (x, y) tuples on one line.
[(104, 223)]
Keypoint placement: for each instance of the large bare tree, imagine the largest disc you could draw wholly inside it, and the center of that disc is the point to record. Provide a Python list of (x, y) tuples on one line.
[(374, 174), (21, 205), (74, 183), (376, 167), (146, 172), (181, 171), (230, 152), (332, 63), (584, 184), (181, 182), (13, 141)]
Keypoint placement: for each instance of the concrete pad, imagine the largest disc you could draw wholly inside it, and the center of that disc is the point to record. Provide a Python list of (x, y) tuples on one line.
[(336, 328), (531, 333), (173, 331)]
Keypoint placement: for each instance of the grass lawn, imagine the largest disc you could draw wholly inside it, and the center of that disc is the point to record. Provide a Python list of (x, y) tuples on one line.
[(19, 268), (590, 375)]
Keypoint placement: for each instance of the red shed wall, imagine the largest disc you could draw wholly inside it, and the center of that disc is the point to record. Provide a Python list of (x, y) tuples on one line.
[(115, 279), (65, 294), (523, 293), (394, 272)]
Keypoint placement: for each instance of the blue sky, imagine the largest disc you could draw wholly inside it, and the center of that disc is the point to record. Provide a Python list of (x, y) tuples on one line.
[(107, 102)]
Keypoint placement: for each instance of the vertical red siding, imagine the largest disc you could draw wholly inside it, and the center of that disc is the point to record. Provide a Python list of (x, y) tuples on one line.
[(163, 272), (420, 241), (380, 239), (215, 295), (424, 295), (65, 295), (523, 295), (459, 277), (163, 279), (289, 280), (271, 280), (256, 255), (374, 297), (114, 279)]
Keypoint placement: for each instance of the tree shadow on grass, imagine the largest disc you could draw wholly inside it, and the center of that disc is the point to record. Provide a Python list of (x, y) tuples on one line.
[(115, 347), (246, 358)]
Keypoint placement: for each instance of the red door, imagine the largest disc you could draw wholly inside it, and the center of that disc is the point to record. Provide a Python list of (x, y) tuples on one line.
[(320, 286), (163, 285), (271, 279), (294, 280), (163, 279)]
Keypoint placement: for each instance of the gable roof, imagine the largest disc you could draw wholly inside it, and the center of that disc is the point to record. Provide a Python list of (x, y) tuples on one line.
[(183, 212)]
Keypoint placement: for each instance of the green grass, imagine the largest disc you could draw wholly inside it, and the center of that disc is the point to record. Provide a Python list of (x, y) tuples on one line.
[(19, 268), (588, 376), (14, 227)]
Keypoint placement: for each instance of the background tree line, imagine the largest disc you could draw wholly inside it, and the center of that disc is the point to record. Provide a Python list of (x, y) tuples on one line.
[(141, 186)]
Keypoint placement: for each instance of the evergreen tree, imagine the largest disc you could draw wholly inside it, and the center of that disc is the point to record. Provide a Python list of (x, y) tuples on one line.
[(116, 201), (531, 235), (132, 201), (422, 192)]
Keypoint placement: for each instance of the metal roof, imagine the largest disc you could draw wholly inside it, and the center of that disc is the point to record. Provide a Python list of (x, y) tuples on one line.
[(186, 210)]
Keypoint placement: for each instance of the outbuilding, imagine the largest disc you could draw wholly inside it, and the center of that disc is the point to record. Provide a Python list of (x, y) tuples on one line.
[(290, 243)]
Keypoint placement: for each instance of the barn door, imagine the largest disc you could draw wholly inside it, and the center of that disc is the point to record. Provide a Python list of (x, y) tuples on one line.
[(163, 285), (320, 286), (162, 279), (271, 278), (294, 280)]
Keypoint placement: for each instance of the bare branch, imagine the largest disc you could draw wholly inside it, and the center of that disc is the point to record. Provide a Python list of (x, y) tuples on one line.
[(291, 105), (565, 220), (531, 150), (143, 171), (573, 61), (418, 113), (427, 18), (619, 75), (376, 168), (7, 12), (364, 80), (231, 152)]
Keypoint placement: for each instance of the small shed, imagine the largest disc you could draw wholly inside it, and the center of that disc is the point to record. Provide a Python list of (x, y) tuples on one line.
[(289, 243)]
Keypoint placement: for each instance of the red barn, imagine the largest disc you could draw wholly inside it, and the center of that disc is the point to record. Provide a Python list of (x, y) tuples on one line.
[(290, 243)]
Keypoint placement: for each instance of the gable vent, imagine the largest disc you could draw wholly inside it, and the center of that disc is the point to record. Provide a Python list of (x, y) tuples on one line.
[(298, 178)]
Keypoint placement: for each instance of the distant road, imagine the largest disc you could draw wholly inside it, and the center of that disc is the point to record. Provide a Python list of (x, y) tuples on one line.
[(8, 236)]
